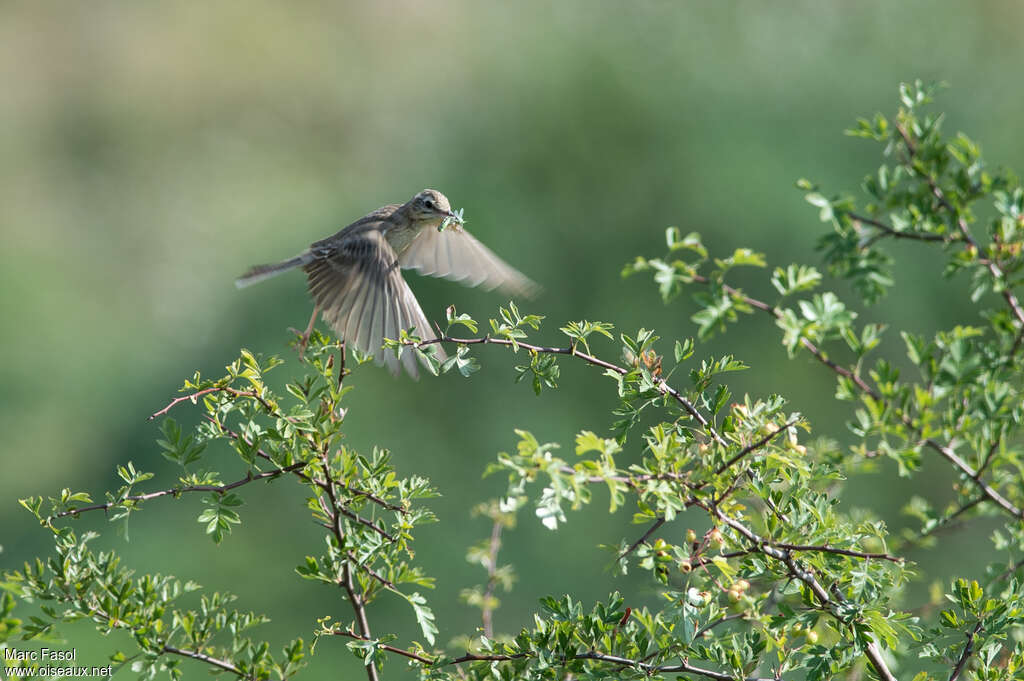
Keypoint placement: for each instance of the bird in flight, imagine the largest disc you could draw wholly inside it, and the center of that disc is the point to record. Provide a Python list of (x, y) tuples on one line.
[(355, 275)]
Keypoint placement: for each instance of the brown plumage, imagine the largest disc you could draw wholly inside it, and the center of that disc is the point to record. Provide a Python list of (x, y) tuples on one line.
[(356, 280)]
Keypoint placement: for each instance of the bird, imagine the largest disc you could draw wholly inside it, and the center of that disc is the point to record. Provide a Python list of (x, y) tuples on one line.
[(355, 278)]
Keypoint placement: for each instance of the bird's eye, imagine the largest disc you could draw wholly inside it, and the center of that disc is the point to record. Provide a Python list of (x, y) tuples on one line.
[(429, 204)]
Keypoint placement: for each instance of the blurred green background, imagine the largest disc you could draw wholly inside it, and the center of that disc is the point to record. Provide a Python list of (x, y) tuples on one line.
[(150, 152)]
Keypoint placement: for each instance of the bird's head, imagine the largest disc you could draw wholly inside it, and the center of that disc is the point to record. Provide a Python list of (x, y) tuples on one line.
[(430, 206)]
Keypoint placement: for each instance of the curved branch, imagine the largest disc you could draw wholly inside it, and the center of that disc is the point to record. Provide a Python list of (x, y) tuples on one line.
[(663, 387), (193, 397), (203, 657)]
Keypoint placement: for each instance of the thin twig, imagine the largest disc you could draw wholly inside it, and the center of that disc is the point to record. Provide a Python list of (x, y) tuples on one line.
[(651, 530), (368, 570), (720, 621), (888, 230), (203, 657), (366, 523), (176, 491), (944, 523), (193, 397), (825, 548), (755, 446), (487, 612), (662, 386)]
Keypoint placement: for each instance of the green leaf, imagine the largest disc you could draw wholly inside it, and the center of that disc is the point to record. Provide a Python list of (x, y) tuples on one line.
[(424, 615)]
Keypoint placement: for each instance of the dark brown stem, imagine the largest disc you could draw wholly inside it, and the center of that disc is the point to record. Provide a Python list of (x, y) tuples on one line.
[(825, 548), (651, 530), (887, 230), (366, 523), (966, 654)]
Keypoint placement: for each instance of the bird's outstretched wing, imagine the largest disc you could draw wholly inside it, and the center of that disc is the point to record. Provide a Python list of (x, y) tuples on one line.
[(456, 255), (357, 283)]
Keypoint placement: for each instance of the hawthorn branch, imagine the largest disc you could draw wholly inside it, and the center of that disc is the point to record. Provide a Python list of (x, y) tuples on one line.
[(663, 387), (694, 501), (946, 521), (310, 479), (651, 530), (487, 612), (375, 499), (720, 621), (650, 669), (825, 548), (887, 230), (785, 556), (346, 581), (91, 605), (193, 397), (817, 353), (203, 657), (975, 476), (364, 522), (961, 223), (177, 491), (754, 447), (966, 654), (370, 571), (998, 277)]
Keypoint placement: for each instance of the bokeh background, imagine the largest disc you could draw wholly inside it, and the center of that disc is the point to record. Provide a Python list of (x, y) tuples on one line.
[(150, 152)]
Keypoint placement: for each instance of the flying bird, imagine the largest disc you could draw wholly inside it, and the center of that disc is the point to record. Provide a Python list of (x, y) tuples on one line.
[(355, 275)]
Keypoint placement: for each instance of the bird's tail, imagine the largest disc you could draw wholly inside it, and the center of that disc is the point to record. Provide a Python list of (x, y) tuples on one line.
[(260, 272)]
